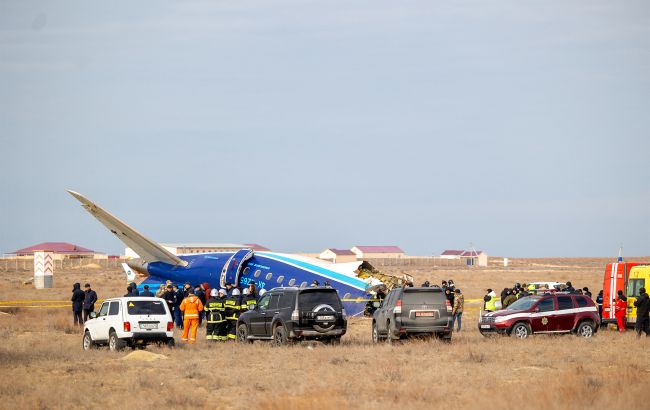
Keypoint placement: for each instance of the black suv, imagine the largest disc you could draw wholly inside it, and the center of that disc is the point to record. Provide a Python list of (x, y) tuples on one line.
[(288, 314), (412, 311)]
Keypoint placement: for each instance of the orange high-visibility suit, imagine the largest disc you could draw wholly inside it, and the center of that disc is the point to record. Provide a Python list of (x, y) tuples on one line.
[(191, 306), (620, 310)]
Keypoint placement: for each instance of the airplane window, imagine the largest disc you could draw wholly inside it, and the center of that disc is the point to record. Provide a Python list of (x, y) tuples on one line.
[(292, 282), (303, 285), (257, 273), (246, 270), (347, 295), (280, 279), (269, 276)]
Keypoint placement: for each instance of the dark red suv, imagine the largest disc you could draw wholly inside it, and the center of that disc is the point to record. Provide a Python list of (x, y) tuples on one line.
[(548, 313)]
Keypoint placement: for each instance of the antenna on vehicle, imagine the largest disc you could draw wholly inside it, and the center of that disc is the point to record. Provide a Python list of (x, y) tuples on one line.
[(620, 253)]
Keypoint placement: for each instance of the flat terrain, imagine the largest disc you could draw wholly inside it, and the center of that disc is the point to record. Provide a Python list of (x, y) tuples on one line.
[(43, 366)]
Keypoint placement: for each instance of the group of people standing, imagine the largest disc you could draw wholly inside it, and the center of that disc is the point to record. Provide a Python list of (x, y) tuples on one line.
[(642, 304), (83, 301)]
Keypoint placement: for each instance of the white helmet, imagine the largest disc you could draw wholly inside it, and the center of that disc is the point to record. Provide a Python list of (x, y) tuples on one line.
[(247, 292), (222, 292), (235, 292), (213, 292), (262, 292)]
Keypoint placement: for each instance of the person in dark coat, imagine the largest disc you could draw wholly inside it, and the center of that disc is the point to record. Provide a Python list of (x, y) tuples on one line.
[(585, 291), (569, 287), (147, 292), (450, 296), (178, 298), (134, 289), (90, 297), (78, 297), (599, 302), (642, 304), (200, 293), (129, 292), (169, 297)]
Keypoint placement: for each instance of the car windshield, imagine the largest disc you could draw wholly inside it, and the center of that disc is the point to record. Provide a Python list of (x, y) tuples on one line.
[(145, 307), (310, 299), (523, 303), (422, 297)]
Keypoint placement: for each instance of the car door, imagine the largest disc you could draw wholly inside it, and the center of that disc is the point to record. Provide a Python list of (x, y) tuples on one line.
[(271, 312), (543, 317), (102, 324), (258, 316), (386, 307), (565, 314)]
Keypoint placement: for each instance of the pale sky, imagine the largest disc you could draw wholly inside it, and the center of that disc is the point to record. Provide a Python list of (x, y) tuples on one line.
[(519, 126)]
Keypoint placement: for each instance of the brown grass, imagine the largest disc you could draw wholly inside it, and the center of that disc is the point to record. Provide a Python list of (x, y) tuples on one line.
[(42, 364)]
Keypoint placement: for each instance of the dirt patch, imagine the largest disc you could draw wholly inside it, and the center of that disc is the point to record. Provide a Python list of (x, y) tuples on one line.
[(143, 356)]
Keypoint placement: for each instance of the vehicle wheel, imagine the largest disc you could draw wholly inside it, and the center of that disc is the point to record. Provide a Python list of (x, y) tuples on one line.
[(520, 331), (445, 337), (376, 337), (586, 330), (389, 334), (171, 342), (280, 336), (114, 342), (242, 334), (88, 343)]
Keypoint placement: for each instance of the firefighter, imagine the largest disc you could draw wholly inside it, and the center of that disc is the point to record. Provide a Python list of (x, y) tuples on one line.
[(222, 329), (248, 301), (191, 306), (212, 316), (490, 301), (232, 308), (620, 310)]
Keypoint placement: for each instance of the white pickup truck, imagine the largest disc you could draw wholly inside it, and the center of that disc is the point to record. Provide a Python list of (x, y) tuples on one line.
[(129, 321)]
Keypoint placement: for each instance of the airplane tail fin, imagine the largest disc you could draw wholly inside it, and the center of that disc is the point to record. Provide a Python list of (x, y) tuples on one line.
[(147, 249), (130, 275)]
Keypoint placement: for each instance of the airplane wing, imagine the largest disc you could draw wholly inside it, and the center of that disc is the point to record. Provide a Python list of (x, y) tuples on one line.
[(147, 249)]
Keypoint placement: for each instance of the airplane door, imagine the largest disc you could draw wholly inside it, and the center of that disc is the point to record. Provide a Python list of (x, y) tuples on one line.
[(232, 268)]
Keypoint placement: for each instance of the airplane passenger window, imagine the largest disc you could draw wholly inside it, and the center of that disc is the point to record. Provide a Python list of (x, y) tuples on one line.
[(292, 282), (303, 285), (280, 279), (269, 276), (246, 270), (257, 273), (347, 295)]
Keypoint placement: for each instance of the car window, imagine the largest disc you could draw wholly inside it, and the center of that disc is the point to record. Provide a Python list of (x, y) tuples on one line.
[(524, 303), (421, 297), (564, 302), (103, 311), (114, 309), (287, 300), (389, 298), (582, 301), (264, 302), (546, 305), (273, 304), (633, 287), (145, 307), (308, 300)]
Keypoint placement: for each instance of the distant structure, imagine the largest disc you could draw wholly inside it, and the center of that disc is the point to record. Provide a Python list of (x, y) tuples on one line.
[(60, 251), (471, 257), (338, 255), (189, 248), (369, 252), (43, 269)]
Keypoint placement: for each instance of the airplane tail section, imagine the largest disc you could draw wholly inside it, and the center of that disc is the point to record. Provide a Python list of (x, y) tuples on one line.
[(147, 249)]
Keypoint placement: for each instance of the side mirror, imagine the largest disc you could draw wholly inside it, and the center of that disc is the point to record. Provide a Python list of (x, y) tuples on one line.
[(376, 304), (93, 315)]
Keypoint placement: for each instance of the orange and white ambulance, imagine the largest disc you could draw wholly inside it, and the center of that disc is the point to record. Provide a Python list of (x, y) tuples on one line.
[(616, 278)]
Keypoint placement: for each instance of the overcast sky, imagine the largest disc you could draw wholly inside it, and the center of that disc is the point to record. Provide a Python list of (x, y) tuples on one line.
[(519, 126)]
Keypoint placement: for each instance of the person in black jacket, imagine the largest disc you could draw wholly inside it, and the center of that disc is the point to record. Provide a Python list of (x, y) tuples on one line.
[(129, 292), (147, 292), (90, 297), (134, 289), (642, 304), (78, 297)]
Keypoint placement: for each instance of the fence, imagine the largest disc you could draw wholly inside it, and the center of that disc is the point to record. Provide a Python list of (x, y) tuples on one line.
[(428, 261), (27, 264)]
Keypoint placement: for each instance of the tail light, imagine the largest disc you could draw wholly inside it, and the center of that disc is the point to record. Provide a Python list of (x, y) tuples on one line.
[(295, 315), (170, 326), (398, 307), (448, 305), (127, 326)]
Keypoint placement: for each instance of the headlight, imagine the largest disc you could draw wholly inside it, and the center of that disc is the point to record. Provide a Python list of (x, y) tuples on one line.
[(499, 319)]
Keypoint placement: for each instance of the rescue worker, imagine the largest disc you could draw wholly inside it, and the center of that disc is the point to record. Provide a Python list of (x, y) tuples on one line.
[(509, 299), (642, 304), (490, 301), (77, 303), (178, 298), (599, 302), (222, 330), (90, 298), (252, 289), (620, 311), (457, 311), (232, 306), (148, 293), (532, 290), (248, 301), (523, 292), (191, 306), (213, 316)]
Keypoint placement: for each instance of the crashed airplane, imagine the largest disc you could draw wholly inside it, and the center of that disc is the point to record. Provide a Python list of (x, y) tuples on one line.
[(354, 281)]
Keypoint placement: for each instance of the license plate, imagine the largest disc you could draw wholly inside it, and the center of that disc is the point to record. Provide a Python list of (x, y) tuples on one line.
[(325, 317), (426, 314), (485, 326), (148, 326)]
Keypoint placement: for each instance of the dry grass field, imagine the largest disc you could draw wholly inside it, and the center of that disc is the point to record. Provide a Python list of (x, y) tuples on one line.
[(43, 366)]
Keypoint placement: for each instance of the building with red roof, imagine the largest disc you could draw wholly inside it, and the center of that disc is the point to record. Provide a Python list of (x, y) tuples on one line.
[(338, 255), (62, 250)]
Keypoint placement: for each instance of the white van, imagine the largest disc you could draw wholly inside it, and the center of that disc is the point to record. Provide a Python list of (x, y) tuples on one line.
[(129, 321)]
